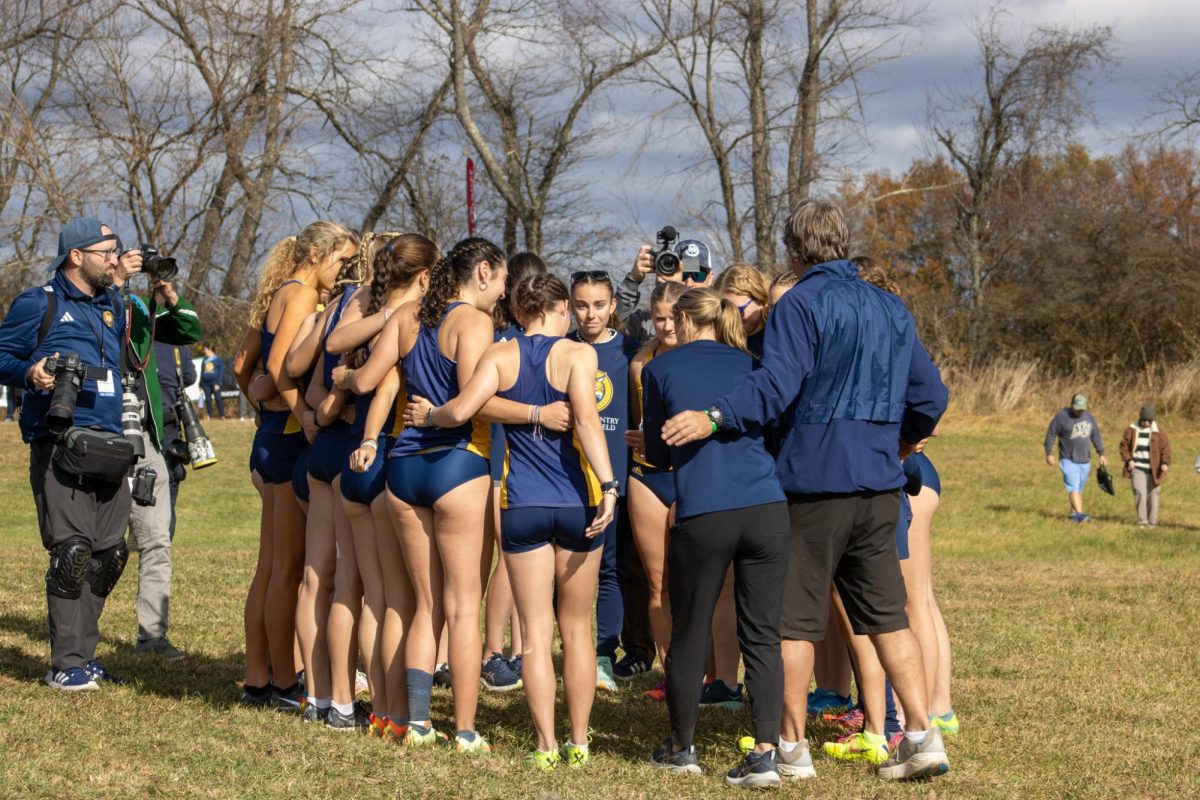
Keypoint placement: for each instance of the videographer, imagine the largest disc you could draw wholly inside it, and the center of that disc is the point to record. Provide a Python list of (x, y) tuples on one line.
[(688, 262), (62, 342), (169, 319)]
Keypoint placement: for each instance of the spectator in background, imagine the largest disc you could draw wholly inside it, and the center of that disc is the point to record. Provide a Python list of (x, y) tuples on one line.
[(1076, 430), (1146, 451), (12, 396), (170, 358), (212, 375), (695, 269)]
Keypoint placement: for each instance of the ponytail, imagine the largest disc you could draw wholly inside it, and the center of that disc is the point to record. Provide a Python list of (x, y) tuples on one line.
[(704, 308)]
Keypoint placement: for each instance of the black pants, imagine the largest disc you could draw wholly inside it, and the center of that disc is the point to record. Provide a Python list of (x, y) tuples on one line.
[(176, 469), (99, 512), (637, 638), (755, 540)]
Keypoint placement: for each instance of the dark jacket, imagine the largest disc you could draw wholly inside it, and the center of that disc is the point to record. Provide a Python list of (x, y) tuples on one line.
[(1160, 452), (178, 325)]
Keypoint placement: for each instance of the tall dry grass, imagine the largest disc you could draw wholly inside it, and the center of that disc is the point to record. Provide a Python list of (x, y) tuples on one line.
[(1024, 388)]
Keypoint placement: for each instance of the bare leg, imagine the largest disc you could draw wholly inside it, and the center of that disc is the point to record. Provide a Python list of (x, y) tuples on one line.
[(287, 565), (649, 519), (345, 606), (533, 585), (918, 581), (727, 654), (797, 672), (832, 666), (500, 605), (940, 700), (872, 689), (414, 526), (577, 575), (400, 605), (1076, 500), (258, 659), (901, 658), (316, 588), (370, 619)]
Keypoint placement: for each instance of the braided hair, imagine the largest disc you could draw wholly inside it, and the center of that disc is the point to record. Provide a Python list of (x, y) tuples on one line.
[(398, 260), (452, 272)]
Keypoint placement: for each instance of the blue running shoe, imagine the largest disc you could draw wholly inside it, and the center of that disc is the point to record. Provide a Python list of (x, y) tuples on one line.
[(718, 694), (757, 771), (497, 676), (101, 675), (72, 679), (677, 761), (514, 664), (821, 700)]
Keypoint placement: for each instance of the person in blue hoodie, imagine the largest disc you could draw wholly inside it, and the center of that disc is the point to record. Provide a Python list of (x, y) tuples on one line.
[(855, 391), (745, 523)]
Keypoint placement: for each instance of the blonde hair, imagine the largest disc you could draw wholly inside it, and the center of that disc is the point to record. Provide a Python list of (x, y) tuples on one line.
[(667, 292), (874, 273), (288, 255), (705, 307), (744, 279), (816, 232), (783, 279)]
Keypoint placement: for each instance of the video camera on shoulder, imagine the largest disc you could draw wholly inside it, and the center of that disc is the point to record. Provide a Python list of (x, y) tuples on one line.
[(69, 373)]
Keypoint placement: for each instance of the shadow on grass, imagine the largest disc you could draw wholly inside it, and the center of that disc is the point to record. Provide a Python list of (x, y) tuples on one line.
[(215, 680), (1112, 518)]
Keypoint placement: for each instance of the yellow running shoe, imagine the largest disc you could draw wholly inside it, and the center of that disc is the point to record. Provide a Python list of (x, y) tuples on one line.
[(863, 746), (576, 755), (476, 745), (948, 724), (415, 737), (542, 759)]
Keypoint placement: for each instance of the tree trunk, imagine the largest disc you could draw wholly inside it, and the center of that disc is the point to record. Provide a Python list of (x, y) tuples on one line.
[(760, 144), (802, 149)]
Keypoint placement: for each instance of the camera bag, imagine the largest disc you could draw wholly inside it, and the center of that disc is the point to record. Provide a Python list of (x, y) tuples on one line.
[(90, 453)]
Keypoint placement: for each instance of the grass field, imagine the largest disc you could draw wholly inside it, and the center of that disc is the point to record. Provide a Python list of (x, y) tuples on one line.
[(1076, 659)]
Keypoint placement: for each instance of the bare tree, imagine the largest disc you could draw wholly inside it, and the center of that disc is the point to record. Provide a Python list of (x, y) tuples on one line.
[(1032, 97)]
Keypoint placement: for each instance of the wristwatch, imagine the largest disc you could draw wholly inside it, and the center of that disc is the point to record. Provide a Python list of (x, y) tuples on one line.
[(613, 486), (715, 417)]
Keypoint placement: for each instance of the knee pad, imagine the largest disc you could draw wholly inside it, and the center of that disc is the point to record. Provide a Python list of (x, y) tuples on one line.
[(68, 567), (106, 568)]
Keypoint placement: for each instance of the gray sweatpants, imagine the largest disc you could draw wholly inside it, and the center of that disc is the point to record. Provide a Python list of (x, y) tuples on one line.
[(99, 512), (150, 536), (1145, 497)]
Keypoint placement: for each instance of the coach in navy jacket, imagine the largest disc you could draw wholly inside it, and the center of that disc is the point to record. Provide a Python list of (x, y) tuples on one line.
[(853, 390)]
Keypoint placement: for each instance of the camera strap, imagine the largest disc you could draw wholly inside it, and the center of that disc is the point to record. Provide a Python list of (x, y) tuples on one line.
[(139, 365)]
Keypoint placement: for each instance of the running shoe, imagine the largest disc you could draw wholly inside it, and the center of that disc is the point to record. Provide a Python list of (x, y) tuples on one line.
[(947, 724), (850, 720), (256, 696), (474, 745), (72, 679), (497, 676), (416, 737), (514, 664), (796, 764), (289, 701), (376, 725), (101, 675), (441, 676), (359, 719), (912, 761), (161, 646), (718, 694), (757, 771), (629, 667), (395, 731), (576, 755), (677, 761), (862, 746), (543, 759), (605, 681), (822, 700), (894, 741), (658, 693), (310, 713)]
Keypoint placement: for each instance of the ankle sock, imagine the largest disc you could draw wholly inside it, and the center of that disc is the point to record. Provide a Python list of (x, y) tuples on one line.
[(288, 690), (258, 691), (345, 709), (916, 737), (467, 736), (787, 746), (420, 685), (949, 715)]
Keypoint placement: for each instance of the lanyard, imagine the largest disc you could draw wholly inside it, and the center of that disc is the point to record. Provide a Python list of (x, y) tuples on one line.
[(98, 330), (140, 366)]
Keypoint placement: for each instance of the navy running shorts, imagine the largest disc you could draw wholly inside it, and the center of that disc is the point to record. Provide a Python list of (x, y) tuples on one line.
[(364, 487), (421, 479), (273, 455), (331, 451), (659, 481), (530, 527)]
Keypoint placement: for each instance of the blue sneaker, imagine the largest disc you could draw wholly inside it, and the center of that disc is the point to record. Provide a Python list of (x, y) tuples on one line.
[(821, 700), (757, 771), (629, 667), (718, 694), (514, 664), (73, 679), (497, 676), (101, 675), (677, 761)]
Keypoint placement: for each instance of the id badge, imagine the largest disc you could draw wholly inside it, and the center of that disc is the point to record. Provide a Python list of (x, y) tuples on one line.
[(107, 387)]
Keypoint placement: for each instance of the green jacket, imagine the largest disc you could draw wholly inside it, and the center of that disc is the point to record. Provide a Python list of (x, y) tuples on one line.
[(176, 325)]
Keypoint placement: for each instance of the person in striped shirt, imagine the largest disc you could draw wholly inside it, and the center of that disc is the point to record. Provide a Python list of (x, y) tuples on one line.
[(1146, 451)]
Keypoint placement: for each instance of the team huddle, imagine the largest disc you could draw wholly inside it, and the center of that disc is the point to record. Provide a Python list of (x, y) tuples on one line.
[(739, 468)]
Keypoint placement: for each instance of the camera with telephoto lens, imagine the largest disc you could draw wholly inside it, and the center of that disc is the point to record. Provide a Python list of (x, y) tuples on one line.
[(156, 265), (69, 373), (131, 414), (199, 447), (143, 486), (665, 260)]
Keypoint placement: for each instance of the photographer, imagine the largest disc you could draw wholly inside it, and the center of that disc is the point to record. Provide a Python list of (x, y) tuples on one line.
[(691, 265), (169, 319), (172, 360), (62, 342)]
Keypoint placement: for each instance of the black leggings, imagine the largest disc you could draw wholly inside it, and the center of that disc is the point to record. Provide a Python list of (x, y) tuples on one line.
[(755, 541)]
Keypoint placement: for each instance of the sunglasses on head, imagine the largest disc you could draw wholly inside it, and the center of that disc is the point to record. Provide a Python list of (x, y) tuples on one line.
[(590, 275)]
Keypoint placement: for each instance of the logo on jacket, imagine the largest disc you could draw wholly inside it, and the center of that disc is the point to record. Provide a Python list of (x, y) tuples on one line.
[(604, 390), (108, 318)]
